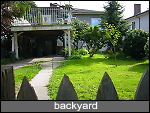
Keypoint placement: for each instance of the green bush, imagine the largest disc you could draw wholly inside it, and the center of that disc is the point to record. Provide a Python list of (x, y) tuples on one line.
[(83, 51), (134, 43), (146, 48), (76, 53), (74, 57)]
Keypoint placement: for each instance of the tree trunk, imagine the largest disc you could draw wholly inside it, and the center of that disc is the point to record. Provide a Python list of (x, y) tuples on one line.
[(115, 56)]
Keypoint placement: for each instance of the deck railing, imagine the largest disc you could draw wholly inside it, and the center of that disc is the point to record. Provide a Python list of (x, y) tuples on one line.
[(45, 16)]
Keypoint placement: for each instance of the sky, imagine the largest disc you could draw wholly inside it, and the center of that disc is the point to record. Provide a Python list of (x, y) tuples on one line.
[(98, 5)]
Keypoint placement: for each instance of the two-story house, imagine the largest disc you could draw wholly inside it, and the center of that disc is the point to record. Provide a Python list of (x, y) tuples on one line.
[(49, 28), (140, 20)]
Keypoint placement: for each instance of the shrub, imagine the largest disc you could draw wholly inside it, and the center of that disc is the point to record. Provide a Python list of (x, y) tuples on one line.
[(83, 51), (146, 48), (76, 53), (74, 57), (134, 44)]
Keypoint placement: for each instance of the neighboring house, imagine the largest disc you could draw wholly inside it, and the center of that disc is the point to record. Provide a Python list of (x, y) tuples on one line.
[(140, 20), (90, 16)]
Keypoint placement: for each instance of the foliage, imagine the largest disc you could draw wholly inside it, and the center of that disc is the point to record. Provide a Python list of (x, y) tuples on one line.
[(112, 35), (82, 51), (113, 15), (78, 27), (11, 10), (134, 43), (146, 48), (76, 53), (5, 61), (94, 38), (86, 74)]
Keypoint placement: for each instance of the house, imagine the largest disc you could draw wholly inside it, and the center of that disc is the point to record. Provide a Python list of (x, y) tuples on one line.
[(49, 28), (140, 20), (90, 16)]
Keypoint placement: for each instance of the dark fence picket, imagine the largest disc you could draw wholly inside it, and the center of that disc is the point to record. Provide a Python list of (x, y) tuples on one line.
[(26, 91), (66, 90), (7, 83), (106, 90), (142, 92)]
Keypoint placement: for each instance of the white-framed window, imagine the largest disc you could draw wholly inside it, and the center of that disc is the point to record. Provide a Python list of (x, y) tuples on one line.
[(95, 21), (133, 25)]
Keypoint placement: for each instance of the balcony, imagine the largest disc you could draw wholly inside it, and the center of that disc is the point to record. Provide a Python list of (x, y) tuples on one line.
[(45, 16)]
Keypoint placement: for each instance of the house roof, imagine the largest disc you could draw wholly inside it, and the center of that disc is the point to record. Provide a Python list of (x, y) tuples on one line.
[(139, 14), (85, 11)]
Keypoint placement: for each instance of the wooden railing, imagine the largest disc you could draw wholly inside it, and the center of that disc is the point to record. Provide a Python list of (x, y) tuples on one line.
[(45, 16)]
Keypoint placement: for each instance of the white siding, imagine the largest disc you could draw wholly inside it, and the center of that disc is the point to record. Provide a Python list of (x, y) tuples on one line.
[(145, 22), (141, 21)]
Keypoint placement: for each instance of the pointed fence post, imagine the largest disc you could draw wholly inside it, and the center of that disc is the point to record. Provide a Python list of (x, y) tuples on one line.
[(66, 90), (7, 83), (142, 92), (106, 90), (26, 91)]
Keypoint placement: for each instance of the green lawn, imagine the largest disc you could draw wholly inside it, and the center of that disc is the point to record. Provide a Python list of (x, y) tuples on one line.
[(86, 74), (28, 71)]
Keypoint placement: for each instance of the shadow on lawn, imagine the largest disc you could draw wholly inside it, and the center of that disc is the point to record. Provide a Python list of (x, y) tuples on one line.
[(108, 61), (139, 68)]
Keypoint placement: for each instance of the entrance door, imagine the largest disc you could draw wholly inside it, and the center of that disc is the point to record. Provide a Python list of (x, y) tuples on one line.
[(49, 47)]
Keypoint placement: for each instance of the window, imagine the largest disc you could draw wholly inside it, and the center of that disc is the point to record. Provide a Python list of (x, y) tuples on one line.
[(95, 21), (133, 25)]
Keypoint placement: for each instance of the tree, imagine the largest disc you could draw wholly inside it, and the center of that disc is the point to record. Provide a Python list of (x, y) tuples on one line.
[(11, 10), (112, 35), (113, 15), (78, 28), (94, 38)]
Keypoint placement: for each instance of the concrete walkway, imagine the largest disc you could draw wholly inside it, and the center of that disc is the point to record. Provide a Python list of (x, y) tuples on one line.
[(42, 78)]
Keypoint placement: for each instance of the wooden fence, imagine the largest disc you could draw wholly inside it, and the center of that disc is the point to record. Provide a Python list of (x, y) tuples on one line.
[(26, 91), (66, 91)]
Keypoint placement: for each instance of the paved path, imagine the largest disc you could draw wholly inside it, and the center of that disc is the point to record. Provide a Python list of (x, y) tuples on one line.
[(42, 78)]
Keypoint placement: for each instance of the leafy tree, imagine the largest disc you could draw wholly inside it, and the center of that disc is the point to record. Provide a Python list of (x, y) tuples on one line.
[(112, 35), (11, 10), (113, 15), (78, 28), (134, 44), (94, 38)]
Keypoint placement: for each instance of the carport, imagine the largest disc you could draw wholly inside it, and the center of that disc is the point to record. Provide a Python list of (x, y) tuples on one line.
[(49, 38)]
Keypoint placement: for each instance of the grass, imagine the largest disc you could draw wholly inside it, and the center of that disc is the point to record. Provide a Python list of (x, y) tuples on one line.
[(28, 71), (86, 74)]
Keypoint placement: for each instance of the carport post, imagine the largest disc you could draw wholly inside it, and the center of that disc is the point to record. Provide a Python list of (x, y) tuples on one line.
[(13, 44), (65, 39), (16, 45), (69, 43)]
